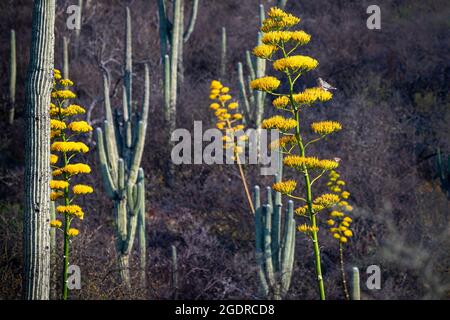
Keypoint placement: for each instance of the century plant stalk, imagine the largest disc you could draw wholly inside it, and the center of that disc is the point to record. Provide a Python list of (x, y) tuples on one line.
[(36, 241), (279, 37)]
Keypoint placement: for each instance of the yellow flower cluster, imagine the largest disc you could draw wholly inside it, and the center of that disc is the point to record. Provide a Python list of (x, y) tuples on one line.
[(300, 162), (265, 51), (327, 200), (278, 19), (280, 123), (285, 187), (295, 63), (304, 228), (227, 116), (69, 146), (303, 211), (339, 221), (82, 189), (283, 142), (281, 102), (71, 210), (80, 126), (63, 94), (265, 84), (326, 127), (76, 168), (60, 143), (312, 95)]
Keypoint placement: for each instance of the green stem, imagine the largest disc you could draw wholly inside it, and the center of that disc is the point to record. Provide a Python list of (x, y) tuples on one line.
[(344, 279)]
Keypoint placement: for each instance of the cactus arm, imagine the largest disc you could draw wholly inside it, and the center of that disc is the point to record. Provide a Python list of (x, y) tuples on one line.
[(12, 77), (259, 243), (223, 54), (243, 91), (267, 213), (356, 292), (250, 65), (167, 89), (281, 4), (66, 57), (192, 21), (128, 72), (287, 259), (276, 223), (262, 14), (137, 153), (163, 30), (174, 272), (146, 102), (110, 187), (174, 63), (141, 228)]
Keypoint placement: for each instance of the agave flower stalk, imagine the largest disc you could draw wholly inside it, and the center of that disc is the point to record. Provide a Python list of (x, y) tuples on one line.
[(64, 170), (279, 44), (228, 120)]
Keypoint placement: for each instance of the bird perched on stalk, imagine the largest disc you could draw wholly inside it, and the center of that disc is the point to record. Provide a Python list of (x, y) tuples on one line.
[(325, 85)]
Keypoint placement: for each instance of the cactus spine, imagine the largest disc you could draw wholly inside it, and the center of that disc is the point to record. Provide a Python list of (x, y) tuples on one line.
[(356, 291), (12, 78), (252, 101), (120, 148), (36, 277), (223, 54)]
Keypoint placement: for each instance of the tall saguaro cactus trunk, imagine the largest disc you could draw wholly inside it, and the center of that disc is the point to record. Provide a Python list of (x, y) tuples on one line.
[(37, 153), (12, 78), (172, 38), (120, 148)]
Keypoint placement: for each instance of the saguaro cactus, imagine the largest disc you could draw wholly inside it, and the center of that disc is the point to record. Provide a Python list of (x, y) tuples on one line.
[(66, 58), (120, 149), (12, 78), (282, 4), (274, 249), (37, 153), (223, 54), (173, 35), (251, 100), (356, 291)]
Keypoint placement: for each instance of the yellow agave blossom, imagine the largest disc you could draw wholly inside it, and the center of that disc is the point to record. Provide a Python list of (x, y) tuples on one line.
[(57, 172), (265, 51), (216, 85), (233, 105), (72, 232), (283, 142), (265, 84), (76, 168), (72, 110), (280, 123), (281, 102), (58, 184), (54, 134), (303, 211), (326, 127), (69, 146), (285, 187), (326, 200), (57, 125), (298, 162), (276, 37), (80, 126), (54, 195), (295, 63), (66, 82), (53, 158), (300, 37), (307, 228), (82, 189), (69, 209), (312, 95), (55, 223), (63, 94), (277, 23), (336, 214)]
